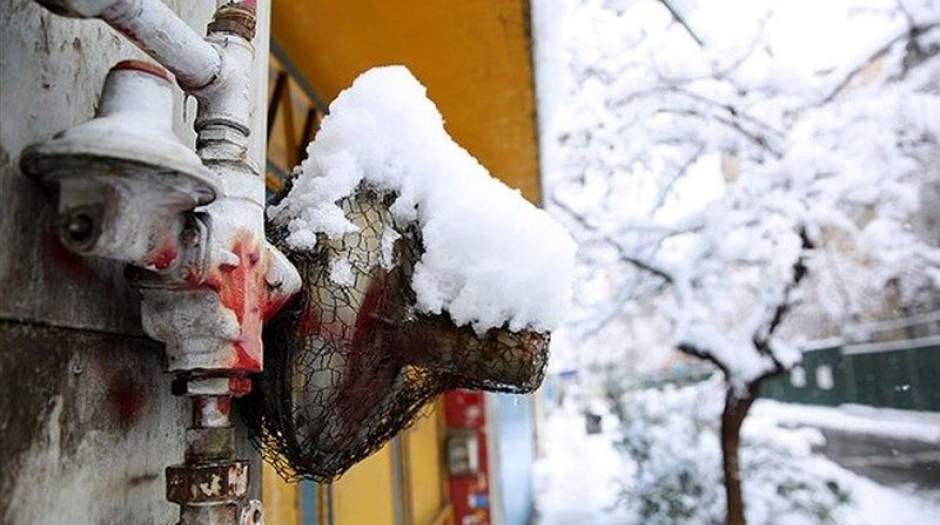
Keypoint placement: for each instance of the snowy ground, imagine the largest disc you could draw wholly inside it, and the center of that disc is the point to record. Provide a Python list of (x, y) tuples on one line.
[(880, 422), (577, 480), (893, 447)]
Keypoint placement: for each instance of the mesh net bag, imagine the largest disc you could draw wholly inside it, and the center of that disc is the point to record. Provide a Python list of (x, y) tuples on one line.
[(349, 362)]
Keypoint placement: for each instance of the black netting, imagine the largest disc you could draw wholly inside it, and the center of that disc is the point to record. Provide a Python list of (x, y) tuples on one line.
[(349, 366)]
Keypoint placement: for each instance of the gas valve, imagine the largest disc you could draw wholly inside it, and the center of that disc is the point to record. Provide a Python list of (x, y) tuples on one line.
[(126, 185)]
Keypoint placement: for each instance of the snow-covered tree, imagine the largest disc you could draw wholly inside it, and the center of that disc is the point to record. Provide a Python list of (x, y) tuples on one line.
[(671, 435), (753, 172)]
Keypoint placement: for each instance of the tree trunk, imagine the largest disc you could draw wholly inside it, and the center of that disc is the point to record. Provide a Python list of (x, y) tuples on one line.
[(735, 410)]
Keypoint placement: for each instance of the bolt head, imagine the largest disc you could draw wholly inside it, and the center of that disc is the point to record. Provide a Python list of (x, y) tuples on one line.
[(80, 227)]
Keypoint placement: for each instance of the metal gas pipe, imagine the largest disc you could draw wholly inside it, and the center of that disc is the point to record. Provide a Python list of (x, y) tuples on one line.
[(207, 275)]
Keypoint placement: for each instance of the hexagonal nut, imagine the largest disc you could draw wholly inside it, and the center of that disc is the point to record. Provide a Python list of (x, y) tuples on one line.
[(211, 386), (225, 133), (201, 386), (208, 483), (222, 152), (216, 514), (235, 18)]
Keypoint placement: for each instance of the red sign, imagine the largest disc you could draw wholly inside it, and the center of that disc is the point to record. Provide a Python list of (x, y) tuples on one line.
[(469, 493)]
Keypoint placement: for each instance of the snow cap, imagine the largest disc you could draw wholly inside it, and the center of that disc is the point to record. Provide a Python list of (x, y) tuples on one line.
[(491, 257)]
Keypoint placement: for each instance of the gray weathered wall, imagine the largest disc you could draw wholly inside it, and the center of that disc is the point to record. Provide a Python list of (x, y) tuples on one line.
[(87, 422)]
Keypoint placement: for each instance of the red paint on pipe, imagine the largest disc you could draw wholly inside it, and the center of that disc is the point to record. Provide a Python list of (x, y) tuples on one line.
[(225, 405), (239, 385), (242, 289), (163, 257), (272, 306), (146, 67), (222, 402)]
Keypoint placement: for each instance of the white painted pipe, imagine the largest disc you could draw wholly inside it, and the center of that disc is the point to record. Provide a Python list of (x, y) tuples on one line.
[(161, 34), (157, 30)]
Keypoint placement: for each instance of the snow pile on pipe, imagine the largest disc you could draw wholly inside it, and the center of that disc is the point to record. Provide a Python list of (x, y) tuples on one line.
[(490, 258)]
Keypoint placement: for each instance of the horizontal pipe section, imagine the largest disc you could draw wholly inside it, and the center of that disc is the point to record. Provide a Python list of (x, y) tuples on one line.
[(157, 30)]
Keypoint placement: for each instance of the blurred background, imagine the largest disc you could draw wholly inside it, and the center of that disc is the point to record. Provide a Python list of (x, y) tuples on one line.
[(754, 189), (753, 186)]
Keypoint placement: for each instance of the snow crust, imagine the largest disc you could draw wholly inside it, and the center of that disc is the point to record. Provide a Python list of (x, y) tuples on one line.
[(490, 258)]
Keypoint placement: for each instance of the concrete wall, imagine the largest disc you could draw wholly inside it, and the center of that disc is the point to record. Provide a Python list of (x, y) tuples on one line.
[(87, 421)]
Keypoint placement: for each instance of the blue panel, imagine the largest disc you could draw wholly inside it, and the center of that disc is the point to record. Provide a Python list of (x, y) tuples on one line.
[(308, 502), (515, 444)]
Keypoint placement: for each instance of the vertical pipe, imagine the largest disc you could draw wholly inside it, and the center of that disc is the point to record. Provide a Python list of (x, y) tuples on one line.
[(212, 411), (257, 150), (398, 480)]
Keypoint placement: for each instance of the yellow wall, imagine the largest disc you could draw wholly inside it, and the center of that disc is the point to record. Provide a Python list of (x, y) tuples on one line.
[(281, 499), (365, 494), (473, 55), (368, 492), (423, 453)]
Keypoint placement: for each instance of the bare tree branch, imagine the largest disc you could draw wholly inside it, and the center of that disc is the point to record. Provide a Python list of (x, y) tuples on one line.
[(733, 111), (695, 351), (762, 337), (679, 18), (723, 72), (680, 173), (911, 33), (757, 139), (622, 252)]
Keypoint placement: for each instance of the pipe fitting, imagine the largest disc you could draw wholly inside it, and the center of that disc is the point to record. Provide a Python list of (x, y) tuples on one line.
[(215, 324), (157, 30), (235, 18), (228, 102), (76, 8)]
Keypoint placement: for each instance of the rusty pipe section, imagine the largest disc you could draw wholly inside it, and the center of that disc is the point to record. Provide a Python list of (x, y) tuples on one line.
[(157, 30), (211, 486)]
